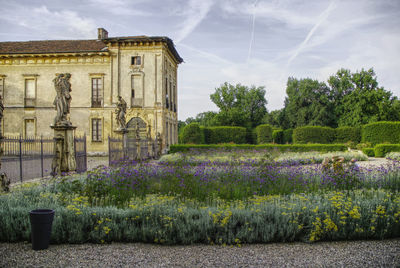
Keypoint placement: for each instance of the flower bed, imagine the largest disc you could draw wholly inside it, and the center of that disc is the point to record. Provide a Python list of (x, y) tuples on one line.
[(231, 202)]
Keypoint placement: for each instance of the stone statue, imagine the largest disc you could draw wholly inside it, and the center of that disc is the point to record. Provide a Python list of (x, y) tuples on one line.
[(62, 100), (121, 112)]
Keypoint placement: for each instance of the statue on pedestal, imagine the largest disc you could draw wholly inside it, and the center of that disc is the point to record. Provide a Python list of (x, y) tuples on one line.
[(121, 112), (62, 101)]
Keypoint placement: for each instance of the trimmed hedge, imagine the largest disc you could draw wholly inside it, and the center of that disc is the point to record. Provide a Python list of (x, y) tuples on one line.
[(277, 136), (215, 135), (280, 147), (288, 136), (192, 134), (313, 134), (264, 134), (369, 151), (381, 132), (346, 134), (382, 149)]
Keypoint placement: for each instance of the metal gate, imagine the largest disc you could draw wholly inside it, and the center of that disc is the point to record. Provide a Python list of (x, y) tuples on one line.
[(80, 154)]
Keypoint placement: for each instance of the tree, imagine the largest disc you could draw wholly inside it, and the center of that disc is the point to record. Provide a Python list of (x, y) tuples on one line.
[(359, 100), (239, 105), (308, 102)]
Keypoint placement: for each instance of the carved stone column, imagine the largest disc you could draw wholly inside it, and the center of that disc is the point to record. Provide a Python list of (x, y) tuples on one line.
[(64, 149)]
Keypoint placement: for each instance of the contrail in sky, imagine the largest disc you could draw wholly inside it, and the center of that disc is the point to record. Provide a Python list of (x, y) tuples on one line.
[(324, 15), (252, 32)]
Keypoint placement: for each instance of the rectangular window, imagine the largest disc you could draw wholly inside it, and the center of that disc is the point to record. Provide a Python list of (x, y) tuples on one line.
[(29, 128), (97, 92), (96, 129), (30, 92), (136, 60), (171, 95), (166, 94)]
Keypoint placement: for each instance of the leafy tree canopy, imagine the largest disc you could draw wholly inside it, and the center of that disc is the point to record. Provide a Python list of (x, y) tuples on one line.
[(239, 105)]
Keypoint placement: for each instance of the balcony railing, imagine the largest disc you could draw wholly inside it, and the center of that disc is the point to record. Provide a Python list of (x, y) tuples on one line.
[(97, 103)]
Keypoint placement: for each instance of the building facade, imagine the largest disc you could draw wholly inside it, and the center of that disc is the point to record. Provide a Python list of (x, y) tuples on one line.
[(143, 70)]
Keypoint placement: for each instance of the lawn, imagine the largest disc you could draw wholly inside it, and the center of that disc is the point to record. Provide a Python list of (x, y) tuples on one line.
[(215, 198)]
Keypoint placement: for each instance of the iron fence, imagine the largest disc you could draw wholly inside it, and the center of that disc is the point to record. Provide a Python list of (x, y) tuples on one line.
[(31, 157), (134, 149)]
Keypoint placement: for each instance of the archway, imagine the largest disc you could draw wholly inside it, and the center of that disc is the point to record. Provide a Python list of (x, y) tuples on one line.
[(133, 124)]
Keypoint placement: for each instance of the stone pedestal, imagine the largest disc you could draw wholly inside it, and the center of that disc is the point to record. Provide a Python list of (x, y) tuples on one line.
[(64, 149), (122, 133)]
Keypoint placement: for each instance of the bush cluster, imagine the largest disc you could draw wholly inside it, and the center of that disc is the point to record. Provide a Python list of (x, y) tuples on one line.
[(381, 132), (175, 148), (382, 149), (193, 134), (288, 136), (314, 134), (369, 151), (264, 134), (215, 135), (277, 136), (346, 134)]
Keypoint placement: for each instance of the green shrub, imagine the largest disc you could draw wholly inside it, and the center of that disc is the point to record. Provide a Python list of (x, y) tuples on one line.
[(175, 148), (346, 134), (215, 135), (382, 149), (288, 136), (277, 136), (381, 132), (167, 220), (369, 151), (193, 134), (393, 156), (313, 134), (264, 134)]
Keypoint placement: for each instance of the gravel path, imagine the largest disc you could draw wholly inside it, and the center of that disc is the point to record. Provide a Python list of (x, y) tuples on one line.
[(382, 253)]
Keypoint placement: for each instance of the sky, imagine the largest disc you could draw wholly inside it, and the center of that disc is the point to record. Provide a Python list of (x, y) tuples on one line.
[(251, 42)]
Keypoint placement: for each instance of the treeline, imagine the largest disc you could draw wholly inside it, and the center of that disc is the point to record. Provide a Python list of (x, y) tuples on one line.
[(346, 100)]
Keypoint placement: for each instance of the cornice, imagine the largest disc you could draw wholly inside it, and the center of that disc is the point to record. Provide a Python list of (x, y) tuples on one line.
[(71, 58)]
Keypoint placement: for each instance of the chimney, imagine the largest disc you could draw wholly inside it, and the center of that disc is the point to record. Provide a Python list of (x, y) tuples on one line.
[(102, 33)]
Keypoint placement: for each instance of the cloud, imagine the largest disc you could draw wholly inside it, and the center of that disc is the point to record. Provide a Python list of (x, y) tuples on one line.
[(61, 23), (121, 7), (194, 13), (281, 11)]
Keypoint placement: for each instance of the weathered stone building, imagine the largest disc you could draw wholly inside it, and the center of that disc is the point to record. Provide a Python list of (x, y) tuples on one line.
[(141, 69)]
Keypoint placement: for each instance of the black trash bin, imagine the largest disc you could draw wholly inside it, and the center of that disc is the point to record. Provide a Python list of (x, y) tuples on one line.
[(41, 222)]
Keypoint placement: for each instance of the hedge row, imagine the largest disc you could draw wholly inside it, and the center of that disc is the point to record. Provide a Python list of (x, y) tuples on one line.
[(264, 134), (317, 134), (381, 132), (375, 133), (280, 147), (382, 149), (195, 134), (370, 152), (215, 135)]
